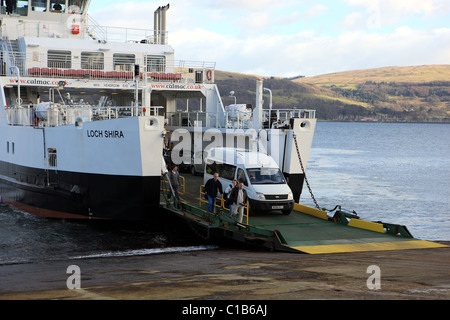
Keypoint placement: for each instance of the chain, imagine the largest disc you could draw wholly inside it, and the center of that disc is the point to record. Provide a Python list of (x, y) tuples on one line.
[(197, 232), (304, 173)]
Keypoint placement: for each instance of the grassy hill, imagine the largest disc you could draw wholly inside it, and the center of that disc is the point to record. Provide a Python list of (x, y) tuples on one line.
[(417, 74), (287, 94), (419, 93)]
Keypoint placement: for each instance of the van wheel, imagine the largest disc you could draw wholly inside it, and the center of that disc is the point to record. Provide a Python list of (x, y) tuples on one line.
[(286, 212)]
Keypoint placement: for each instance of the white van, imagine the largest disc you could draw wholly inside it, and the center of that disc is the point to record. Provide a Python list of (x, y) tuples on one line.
[(264, 182)]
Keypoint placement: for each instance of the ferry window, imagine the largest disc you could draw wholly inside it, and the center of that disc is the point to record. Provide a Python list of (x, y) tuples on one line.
[(7, 146), (123, 62), (51, 156), (19, 7), (39, 5), (241, 177), (59, 59), (57, 6), (156, 63), (92, 60), (76, 6)]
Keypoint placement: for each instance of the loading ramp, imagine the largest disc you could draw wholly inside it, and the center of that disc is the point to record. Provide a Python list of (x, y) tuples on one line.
[(305, 230), (309, 230)]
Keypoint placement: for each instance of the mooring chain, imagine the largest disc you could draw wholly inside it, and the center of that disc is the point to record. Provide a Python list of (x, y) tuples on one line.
[(304, 173), (196, 231)]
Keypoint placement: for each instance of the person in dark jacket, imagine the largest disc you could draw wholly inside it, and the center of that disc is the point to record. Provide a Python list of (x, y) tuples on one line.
[(213, 186), (239, 199), (174, 177), (10, 6)]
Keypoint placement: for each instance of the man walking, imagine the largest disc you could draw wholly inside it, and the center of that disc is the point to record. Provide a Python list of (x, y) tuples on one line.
[(213, 186), (174, 177), (239, 198)]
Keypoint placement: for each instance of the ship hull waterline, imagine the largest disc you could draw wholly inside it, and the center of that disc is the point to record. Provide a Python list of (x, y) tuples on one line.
[(97, 196)]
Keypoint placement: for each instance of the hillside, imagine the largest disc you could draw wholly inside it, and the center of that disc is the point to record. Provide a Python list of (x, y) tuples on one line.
[(288, 94), (387, 74), (419, 93)]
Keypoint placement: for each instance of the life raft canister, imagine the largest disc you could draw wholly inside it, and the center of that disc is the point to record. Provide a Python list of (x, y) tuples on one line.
[(75, 29)]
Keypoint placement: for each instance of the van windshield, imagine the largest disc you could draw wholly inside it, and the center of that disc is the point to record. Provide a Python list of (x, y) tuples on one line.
[(265, 176)]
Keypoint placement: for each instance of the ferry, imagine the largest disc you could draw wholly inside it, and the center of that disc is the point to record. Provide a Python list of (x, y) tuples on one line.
[(87, 113)]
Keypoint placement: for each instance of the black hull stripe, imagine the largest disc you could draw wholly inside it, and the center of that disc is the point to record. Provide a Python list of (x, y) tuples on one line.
[(81, 194)]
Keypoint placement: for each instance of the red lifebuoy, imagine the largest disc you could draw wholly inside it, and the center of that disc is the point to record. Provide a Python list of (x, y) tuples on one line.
[(209, 75)]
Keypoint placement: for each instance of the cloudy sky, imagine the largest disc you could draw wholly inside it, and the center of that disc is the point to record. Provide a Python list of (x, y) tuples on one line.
[(294, 37)]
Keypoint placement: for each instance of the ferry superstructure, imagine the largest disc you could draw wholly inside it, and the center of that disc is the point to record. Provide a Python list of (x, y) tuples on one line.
[(86, 111)]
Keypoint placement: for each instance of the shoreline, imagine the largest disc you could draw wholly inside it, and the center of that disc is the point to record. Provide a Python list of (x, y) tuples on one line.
[(236, 274)]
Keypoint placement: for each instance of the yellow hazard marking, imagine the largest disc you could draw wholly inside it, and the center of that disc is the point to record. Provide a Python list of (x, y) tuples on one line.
[(311, 211), (362, 224), (376, 246)]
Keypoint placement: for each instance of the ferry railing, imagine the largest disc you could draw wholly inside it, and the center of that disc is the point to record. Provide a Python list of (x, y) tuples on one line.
[(166, 186), (191, 119), (41, 29), (88, 30), (100, 66), (237, 120), (95, 30), (28, 115), (279, 118), (118, 34), (222, 205)]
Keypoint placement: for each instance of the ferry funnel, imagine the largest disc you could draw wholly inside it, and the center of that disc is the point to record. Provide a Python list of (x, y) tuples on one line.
[(257, 111), (160, 24)]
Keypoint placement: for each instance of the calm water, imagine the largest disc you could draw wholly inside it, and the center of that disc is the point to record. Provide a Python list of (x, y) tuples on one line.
[(396, 173), (25, 238), (390, 172)]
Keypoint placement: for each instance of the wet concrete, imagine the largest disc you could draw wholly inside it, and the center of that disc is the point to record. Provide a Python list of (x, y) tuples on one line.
[(236, 274)]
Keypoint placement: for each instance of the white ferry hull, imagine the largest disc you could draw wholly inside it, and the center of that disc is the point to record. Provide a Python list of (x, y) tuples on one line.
[(106, 169)]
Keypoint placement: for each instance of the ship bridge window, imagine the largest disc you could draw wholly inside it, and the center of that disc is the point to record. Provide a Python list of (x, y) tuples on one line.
[(123, 62), (76, 6), (92, 60), (19, 7), (156, 63), (59, 59), (39, 5), (57, 6)]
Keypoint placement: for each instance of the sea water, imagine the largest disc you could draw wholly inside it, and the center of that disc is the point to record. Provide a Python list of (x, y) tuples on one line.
[(390, 172)]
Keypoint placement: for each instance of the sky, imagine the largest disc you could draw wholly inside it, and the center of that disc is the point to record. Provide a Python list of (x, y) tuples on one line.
[(294, 37)]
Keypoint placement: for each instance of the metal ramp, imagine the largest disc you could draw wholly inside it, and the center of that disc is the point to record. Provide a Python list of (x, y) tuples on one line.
[(309, 230), (305, 230)]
